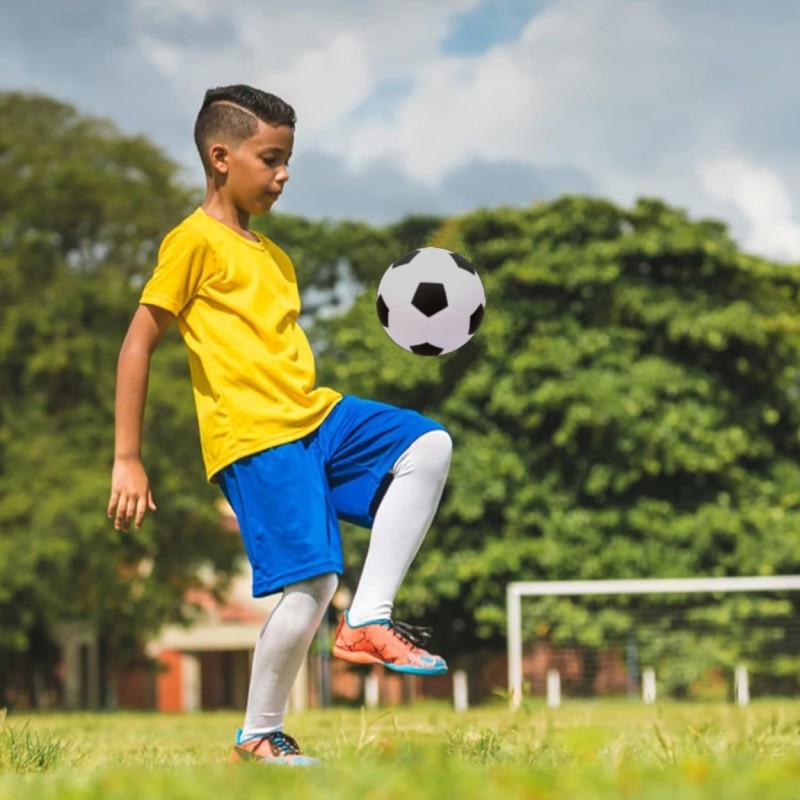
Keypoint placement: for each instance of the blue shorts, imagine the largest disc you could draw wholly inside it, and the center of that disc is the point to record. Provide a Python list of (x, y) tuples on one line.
[(289, 499)]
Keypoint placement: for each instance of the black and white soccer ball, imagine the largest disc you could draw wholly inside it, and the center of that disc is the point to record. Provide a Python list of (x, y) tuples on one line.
[(431, 301)]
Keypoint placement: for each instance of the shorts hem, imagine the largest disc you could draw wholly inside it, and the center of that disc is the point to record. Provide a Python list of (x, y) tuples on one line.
[(273, 586), (377, 476)]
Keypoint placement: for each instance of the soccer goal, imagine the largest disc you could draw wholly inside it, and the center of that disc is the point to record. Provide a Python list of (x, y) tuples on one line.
[(702, 638)]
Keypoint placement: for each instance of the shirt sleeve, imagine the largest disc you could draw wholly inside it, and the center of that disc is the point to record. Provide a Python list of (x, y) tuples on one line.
[(185, 262)]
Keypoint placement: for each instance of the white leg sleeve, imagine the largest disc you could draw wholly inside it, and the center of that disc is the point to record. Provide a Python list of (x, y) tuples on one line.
[(281, 648), (401, 522)]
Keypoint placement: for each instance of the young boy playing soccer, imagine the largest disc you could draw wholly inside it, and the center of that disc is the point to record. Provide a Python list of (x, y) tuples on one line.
[(290, 458)]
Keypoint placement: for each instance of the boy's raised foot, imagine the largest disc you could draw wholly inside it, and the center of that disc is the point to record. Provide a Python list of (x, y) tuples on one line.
[(276, 748), (396, 645)]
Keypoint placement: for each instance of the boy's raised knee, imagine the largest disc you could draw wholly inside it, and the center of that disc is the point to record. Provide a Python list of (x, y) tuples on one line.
[(434, 449)]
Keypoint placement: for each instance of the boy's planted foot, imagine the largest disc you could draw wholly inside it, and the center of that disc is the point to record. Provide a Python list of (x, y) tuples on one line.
[(270, 748), (396, 645)]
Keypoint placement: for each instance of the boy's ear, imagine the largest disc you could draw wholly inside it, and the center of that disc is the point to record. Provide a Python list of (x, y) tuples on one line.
[(218, 157)]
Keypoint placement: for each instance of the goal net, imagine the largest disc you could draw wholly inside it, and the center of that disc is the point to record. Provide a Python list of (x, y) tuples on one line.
[(693, 638)]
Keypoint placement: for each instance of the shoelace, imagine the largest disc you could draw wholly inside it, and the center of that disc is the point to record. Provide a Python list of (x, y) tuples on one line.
[(417, 635), (284, 744)]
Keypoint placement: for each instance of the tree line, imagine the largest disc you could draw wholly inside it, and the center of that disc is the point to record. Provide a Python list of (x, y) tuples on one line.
[(629, 407)]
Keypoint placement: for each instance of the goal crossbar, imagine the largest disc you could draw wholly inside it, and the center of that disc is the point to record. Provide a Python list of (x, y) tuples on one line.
[(516, 590)]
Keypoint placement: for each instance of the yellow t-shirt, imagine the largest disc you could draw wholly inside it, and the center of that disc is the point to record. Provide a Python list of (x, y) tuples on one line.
[(236, 303)]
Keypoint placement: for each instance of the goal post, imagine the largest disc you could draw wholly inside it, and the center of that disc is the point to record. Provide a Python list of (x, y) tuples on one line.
[(515, 591)]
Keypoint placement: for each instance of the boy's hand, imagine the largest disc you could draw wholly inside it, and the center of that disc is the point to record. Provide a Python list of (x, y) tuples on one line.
[(130, 490), (130, 494)]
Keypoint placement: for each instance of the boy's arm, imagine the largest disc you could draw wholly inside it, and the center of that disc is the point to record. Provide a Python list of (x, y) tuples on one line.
[(130, 490)]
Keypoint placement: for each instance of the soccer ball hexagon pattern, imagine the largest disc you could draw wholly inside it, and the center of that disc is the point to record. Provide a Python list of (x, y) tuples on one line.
[(430, 301)]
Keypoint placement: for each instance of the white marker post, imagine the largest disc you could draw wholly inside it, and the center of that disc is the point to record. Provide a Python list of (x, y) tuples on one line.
[(741, 686), (460, 691), (553, 688), (649, 685), (371, 690)]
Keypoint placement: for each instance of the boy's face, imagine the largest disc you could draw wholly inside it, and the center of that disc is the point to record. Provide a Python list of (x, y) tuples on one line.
[(257, 169)]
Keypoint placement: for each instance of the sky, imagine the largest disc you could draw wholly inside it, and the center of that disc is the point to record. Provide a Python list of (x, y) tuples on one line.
[(443, 107)]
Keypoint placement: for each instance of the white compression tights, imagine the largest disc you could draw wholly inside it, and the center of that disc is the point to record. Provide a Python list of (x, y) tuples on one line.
[(281, 648), (401, 522)]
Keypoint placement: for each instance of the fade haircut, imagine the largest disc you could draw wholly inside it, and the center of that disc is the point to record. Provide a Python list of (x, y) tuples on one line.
[(232, 113)]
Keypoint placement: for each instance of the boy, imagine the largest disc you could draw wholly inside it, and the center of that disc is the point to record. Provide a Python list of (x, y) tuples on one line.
[(291, 459)]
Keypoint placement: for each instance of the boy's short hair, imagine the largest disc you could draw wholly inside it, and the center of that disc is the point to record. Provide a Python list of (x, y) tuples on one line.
[(232, 113)]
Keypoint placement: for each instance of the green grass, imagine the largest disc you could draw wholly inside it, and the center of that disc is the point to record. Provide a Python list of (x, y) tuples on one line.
[(583, 750)]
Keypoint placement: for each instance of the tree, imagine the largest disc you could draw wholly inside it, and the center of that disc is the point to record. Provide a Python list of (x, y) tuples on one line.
[(82, 211), (629, 408)]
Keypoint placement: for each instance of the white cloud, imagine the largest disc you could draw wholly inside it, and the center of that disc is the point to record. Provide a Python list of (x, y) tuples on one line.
[(625, 96), (323, 58), (630, 92), (162, 55), (340, 75), (762, 198), (576, 72)]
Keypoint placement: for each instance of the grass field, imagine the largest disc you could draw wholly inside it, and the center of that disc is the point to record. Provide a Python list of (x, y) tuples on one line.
[(582, 750)]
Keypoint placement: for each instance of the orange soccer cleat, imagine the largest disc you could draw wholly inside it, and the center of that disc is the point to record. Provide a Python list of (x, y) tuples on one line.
[(396, 645), (271, 748)]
